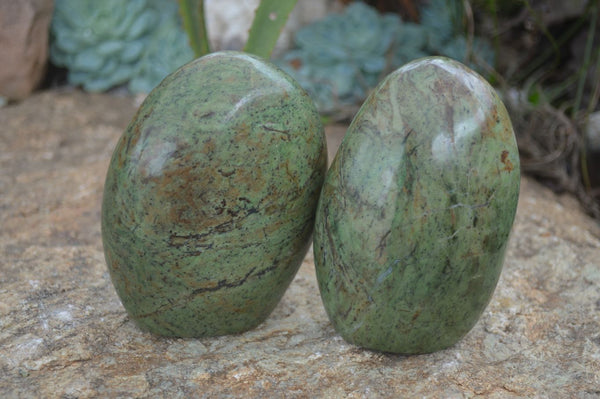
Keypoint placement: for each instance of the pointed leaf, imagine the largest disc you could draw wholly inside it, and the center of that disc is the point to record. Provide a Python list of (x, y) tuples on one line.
[(271, 16)]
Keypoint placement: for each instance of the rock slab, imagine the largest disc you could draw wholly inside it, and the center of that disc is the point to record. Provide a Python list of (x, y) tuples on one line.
[(23, 45), (64, 333)]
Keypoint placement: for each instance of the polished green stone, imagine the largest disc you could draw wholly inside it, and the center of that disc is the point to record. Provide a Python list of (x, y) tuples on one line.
[(416, 210), (210, 197)]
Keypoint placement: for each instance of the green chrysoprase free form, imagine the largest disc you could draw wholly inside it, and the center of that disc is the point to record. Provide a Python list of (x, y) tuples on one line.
[(416, 210), (210, 197)]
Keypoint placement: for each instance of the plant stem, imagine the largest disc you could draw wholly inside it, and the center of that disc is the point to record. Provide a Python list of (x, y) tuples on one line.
[(194, 23), (268, 22), (579, 94), (586, 61), (556, 44)]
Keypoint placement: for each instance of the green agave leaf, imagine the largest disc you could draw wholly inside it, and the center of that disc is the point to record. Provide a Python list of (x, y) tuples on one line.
[(194, 24), (271, 16)]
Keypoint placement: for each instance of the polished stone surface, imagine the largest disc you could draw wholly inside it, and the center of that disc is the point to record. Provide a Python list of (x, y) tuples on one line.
[(210, 197), (415, 212), (65, 334)]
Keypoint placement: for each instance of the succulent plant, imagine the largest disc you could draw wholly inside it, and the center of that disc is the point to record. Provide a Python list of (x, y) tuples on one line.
[(340, 58), (111, 42)]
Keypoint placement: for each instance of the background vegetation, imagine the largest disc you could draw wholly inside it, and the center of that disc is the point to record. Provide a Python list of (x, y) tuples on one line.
[(542, 55)]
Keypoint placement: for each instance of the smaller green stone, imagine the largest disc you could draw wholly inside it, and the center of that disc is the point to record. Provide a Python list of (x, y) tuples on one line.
[(210, 197), (416, 210)]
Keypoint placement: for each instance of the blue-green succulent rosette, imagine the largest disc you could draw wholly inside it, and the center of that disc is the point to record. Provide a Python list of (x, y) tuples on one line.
[(340, 58), (109, 43)]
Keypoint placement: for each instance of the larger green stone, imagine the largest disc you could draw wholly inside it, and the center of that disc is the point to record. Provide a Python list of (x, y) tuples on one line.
[(210, 197), (416, 210)]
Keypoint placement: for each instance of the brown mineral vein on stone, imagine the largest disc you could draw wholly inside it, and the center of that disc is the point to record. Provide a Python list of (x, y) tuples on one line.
[(64, 333)]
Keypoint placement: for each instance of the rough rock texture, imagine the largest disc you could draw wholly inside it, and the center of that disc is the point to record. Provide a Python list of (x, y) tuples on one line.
[(64, 333), (23, 45)]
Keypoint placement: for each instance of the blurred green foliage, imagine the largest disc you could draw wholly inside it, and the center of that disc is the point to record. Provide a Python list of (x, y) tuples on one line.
[(194, 24), (113, 42), (341, 57), (269, 20), (338, 59)]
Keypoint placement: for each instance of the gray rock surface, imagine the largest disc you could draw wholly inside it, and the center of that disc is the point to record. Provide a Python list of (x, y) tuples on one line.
[(64, 333), (23, 45)]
